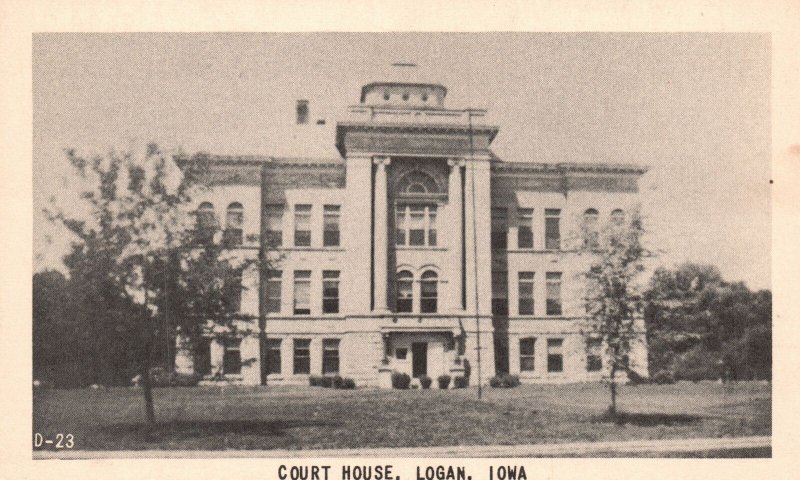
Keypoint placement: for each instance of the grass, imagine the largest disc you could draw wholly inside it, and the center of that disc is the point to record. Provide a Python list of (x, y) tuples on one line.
[(313, 418)]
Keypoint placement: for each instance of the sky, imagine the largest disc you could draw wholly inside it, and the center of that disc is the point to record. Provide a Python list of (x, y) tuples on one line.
[(695, 108)]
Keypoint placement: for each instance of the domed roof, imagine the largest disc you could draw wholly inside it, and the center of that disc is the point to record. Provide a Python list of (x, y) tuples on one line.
[(404, 85)]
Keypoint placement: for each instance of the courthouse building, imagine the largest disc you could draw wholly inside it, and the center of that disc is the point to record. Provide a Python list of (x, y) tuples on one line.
[(416, 249)]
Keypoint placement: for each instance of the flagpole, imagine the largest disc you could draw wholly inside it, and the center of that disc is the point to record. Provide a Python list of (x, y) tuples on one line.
[(475, 254)]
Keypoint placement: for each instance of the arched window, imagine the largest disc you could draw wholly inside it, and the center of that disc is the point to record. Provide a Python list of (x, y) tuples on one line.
[(617, 217), (417, 182), (234, 219), (590, 217), (405, 292), (206, 223), (428, 292)]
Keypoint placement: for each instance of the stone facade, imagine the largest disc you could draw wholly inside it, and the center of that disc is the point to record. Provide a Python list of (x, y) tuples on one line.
[(390, 258)]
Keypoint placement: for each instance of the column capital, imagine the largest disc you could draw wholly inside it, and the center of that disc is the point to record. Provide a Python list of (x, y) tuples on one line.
[(456, 162), (382, 160)]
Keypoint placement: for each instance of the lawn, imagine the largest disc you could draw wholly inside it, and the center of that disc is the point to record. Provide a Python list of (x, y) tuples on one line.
[(313, 418)]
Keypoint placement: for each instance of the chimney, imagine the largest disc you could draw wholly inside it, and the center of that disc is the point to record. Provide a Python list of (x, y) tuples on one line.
[(302, 112)]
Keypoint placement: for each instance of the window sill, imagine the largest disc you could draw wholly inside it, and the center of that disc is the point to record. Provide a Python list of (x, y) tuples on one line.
[(420, 247), (310, 249)]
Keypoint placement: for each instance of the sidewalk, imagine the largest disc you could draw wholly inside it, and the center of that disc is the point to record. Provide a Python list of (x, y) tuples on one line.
[(581, 449)]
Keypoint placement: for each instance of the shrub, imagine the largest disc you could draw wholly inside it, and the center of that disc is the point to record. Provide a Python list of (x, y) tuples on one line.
[(635, 379), (504, 381), (460, 382), (663, 377), (348, 384), (315, 381), (444, 381), (400, 381), (425, 381), (326, 382), (159, 377), (336, 381)]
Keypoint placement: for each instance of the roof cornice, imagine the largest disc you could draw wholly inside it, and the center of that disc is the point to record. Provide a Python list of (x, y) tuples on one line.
[(563, 168)]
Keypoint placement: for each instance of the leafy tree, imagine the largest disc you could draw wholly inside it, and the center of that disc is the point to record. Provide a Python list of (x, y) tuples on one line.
[(136, 242), (702, 327), (613, 300)]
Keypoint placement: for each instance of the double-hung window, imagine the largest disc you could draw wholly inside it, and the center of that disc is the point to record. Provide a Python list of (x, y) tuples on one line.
[(302, 225), (594, 354), (274, 226), (555, 355), (274, 355), (552, 228), (553, 293), (232, 358), (330, 291), (405, 292), (302, 292), (330, 234), (527, 358), (525, 293), (302, 356), (330, 356), (429, 292), (525, 228), (274, 291)]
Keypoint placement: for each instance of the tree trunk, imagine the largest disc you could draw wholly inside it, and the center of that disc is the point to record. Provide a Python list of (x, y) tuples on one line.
[(147, 389), (613, 408)]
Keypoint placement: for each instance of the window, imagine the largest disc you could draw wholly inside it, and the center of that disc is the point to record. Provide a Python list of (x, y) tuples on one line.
[(500, 293), (525, 228), (233, 292), (416, 225), (525, 293), (273, 355), (202, 356), (416, 232), (232, 358), (429, 292), (234, 219), (302, 112), (302, 356), (405, 292), (302, 292), (302, 225), (274, 291), (330, 235), (552, 228), (274, 227), (555, 355), (330, 356), (330, 291), (206, 223), (594, 357), (617, 217), (499, 229), (527, 358), (417, 182), (553, 293), (591, 235)]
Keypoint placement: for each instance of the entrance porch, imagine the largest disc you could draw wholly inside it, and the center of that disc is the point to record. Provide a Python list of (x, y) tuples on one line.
[(430, 353)]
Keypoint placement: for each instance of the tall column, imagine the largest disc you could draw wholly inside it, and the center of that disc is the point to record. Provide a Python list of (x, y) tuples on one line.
[(456, 200), (381, 239)]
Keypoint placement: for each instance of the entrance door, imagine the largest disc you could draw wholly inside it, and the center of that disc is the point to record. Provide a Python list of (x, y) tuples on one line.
[(419, 359)]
